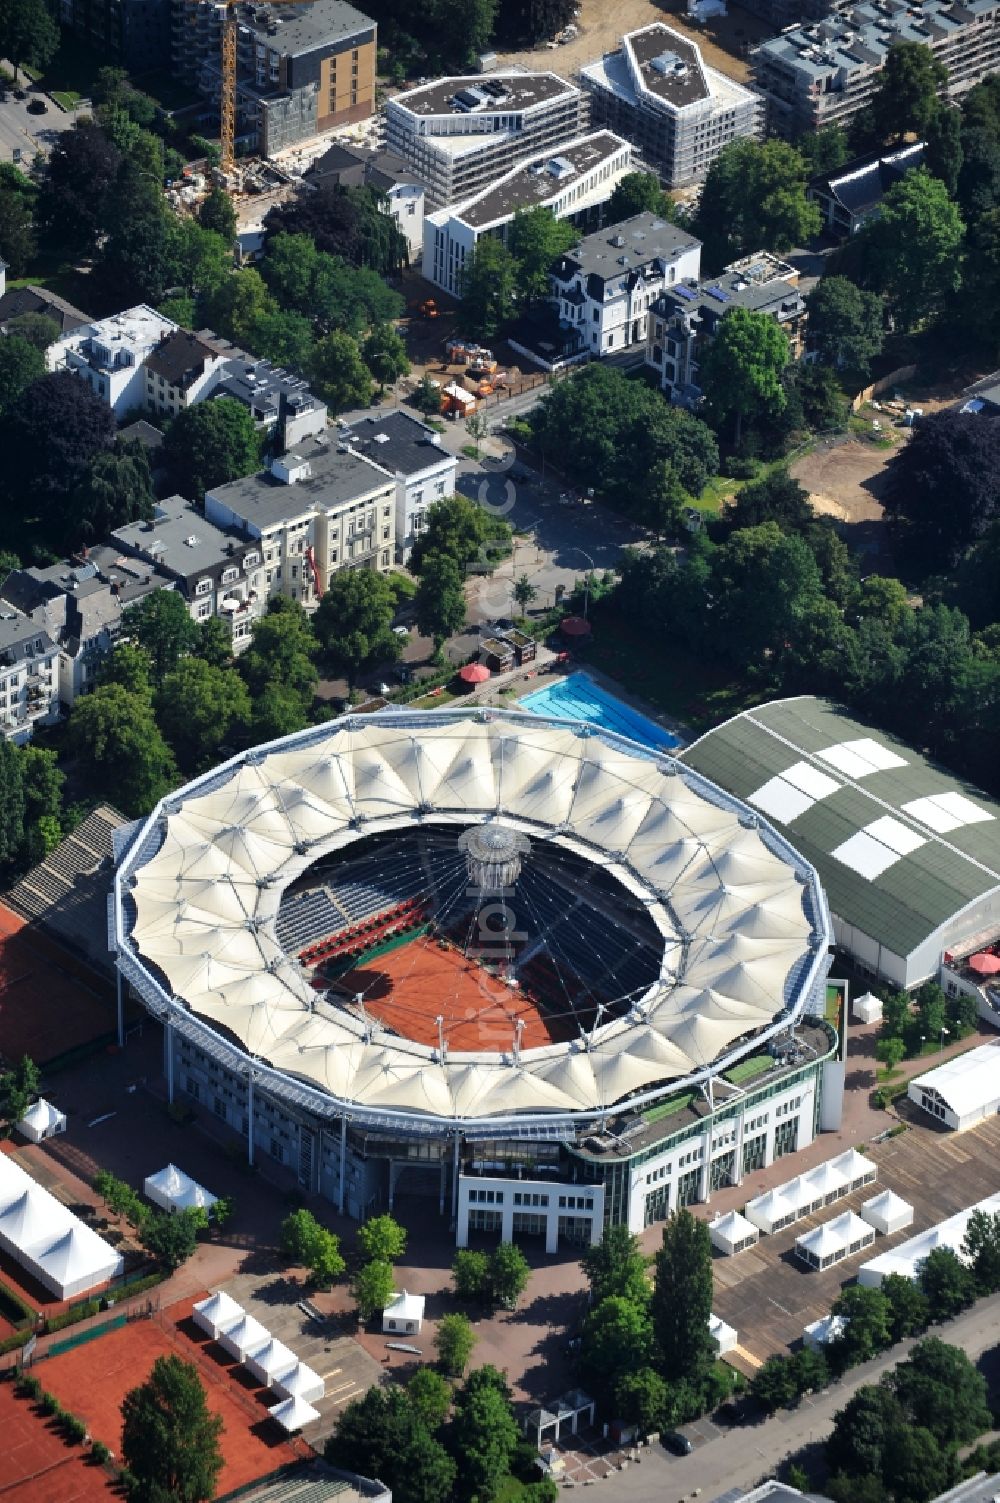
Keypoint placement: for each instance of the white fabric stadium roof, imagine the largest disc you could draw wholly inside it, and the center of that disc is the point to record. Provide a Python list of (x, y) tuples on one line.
[(728, 903)]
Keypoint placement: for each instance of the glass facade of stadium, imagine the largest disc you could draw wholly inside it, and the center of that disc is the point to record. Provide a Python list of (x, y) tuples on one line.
[(672, 1089)]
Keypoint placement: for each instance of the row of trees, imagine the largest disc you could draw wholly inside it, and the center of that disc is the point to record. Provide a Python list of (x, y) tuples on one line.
[(501, 280), (169, 1237), (908, 1022)]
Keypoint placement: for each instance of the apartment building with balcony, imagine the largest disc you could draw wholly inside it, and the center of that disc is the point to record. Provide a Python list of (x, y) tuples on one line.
[(575, 184), (685, 318), (424, 471), (458, 135), (301, 69), (29, 676), (217, 569), (823, 73), (603, 289), (317, 509), (273, 396), (179, 371), (111, 353), (657, 91)]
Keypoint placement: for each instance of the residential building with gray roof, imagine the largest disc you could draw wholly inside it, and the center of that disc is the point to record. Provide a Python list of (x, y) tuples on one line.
[(29, 676), (824, 72), (658, 92), (413, 454)]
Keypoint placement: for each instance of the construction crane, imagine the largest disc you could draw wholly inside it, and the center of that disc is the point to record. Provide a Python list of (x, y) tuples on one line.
[(227, 101)]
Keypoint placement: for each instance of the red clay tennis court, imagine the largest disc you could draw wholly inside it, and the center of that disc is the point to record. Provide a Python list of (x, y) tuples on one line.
[(37, 1465), (92, 1380), (409, 987), (49, 1001)]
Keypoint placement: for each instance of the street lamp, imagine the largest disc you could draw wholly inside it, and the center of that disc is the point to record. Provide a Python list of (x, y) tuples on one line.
[(941, 1040), (586, 582)]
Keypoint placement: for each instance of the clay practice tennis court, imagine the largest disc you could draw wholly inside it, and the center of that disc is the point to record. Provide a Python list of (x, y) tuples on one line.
[(36, 1463), (92, 1380), (49, 1002), (409, 987)]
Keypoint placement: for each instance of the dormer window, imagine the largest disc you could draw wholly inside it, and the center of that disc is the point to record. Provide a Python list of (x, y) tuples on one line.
[(203, 587)]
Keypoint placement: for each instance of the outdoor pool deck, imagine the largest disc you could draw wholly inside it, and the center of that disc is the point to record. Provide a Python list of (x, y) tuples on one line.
[(580, 697)]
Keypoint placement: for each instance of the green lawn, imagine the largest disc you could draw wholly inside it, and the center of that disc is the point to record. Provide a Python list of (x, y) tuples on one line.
[(682, 684), (61, 279), (668, 1108), (71, 73), (748, 1068)]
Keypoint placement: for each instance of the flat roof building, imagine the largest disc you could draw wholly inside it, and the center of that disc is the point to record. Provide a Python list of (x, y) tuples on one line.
[(823, 73), (908, 853), (574, 184), (460, 134), (110, 354), (963, 1091), (423, 469), (657, 91), (301, 69)]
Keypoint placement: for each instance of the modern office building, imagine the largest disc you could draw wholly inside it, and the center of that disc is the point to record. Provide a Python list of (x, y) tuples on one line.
[(582, 1062), (301, 69), (684, 318), (461, 134), (657, 91), (575, 184), (823, 73), (604, 288)]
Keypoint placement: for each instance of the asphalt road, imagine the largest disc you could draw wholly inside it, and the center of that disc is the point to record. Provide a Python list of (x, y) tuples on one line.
[(29, 133), (746, 1455)]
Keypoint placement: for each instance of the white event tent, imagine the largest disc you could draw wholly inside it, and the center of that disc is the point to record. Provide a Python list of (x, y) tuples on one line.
[(173, 1190), (243, 1337), (732, 1233), (266, 1363), (828, 1183), (214, 1314), (856, 1169), (725, 1337), (834, 1241), (887, 1212), (300, 1382), (820, 1332), (41, 1120), (771, 1211), (293, 1414), (964, 1090), (867, 1009), (47, 1240), (404, 1313), (906, 1259)]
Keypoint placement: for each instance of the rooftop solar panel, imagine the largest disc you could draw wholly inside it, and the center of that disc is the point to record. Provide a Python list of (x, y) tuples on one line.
[(687, 293), (717, 292)]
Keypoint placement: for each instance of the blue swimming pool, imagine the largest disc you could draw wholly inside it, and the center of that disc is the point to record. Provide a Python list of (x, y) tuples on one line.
[(578, 697)]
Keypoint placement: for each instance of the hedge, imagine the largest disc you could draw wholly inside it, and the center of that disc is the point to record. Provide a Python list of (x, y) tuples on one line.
[(71, 1317), (14, 1309)]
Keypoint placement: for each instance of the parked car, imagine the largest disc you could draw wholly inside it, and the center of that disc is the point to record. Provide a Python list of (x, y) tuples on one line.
[(676, 1443), (37, 107), (20, 93)]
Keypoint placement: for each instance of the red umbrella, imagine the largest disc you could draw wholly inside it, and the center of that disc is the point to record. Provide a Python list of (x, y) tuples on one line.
[(474, 673), (575, 626), (984, 964)]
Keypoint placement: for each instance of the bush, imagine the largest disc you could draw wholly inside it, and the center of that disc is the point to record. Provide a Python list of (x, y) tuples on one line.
[(74, 1429), (71, 1316), (14, 1309), (49, 1403), (100, 1452), (739, 467), (27, 1387)]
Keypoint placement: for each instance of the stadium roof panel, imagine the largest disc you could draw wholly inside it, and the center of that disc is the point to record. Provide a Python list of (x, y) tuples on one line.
[(197, 894), (901, 845)]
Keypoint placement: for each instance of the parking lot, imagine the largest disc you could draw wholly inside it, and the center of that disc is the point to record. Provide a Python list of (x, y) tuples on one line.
[(769, 1296), (27, 133)]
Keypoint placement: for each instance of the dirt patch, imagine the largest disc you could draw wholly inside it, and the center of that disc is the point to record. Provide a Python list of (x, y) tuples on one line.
[(724, 41), (845, 481)]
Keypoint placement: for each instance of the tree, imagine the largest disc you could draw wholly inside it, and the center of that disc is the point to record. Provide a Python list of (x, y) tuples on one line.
[(509, 1274), (477, 426), (385, 1433), (215, 642), (116, 488), (79, 179), (350, 222), (170, 1438), (384, 353), (210, 444), (642, 1399), (616, 1266), (943, 1392), (741, 369), (306, 1241), (823, 150), (28, 34), (981, 1249), (484, 1435), (489, 282), (465, 532), (978, 186), (453, 1342), (535, 239), (50, 435), (430, 1397), (216, 213), (682, 1299), (774, 1384), (890, 1051), (133, 261), (754, 195), (907, 1306), (845, 326), (354, 622), (471, 1274), (20, 364), (524, 592), (281, 656), (810, 1370), (862, 1430), (372, 1288), (906, 98), (617, 1339), (639, 193), (427, 397), (121, 749), (944, 152), (439, 604), (767, 586), (948, 1286), (17, 235), (382, 1239), (198, 708), (338, 372), (36, 328), (171, 1237), (912, 252), (954, 454), (19, 1087), (866, 1313), (775, 497), (162, 626)]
